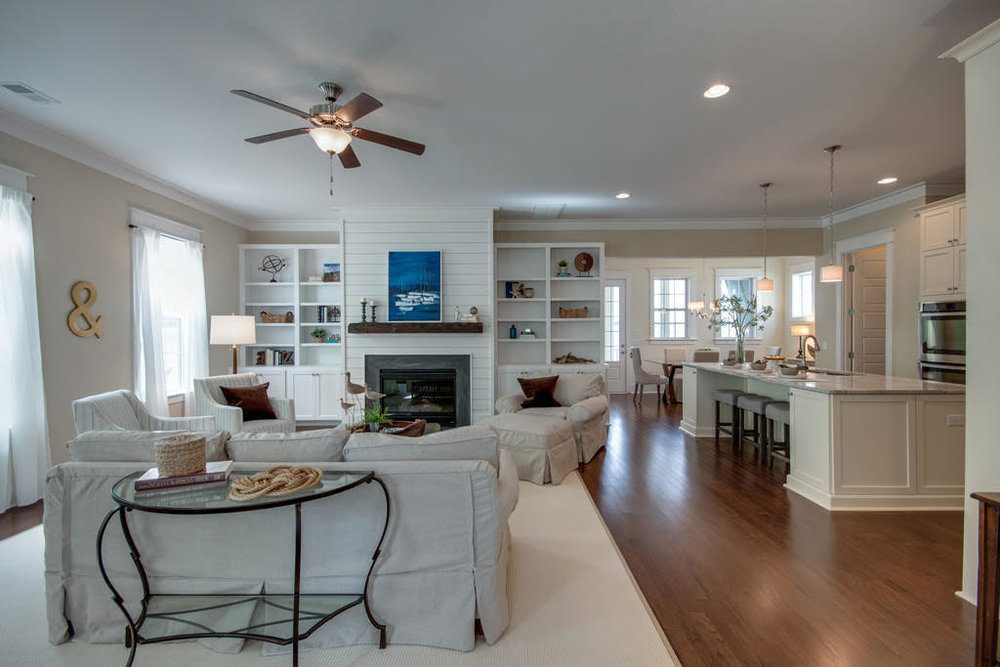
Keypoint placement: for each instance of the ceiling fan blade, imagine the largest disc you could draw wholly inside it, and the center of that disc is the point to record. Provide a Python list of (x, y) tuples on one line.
[(362, 105), (389, 140), (271, 103), (349, 158), (274, 136)]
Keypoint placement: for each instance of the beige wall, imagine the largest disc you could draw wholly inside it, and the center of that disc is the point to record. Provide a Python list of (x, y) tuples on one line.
[(905, 285), (982, 169), (81, 232), (679, 243), (294, 237)]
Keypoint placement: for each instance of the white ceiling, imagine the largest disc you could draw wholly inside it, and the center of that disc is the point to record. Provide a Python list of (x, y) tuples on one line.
[(521, 103)]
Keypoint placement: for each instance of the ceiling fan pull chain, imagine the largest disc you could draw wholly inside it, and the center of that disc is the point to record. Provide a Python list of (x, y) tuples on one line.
[(331, 173)]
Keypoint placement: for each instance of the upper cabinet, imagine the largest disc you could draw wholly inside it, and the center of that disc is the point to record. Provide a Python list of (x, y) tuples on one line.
[(942, 249)]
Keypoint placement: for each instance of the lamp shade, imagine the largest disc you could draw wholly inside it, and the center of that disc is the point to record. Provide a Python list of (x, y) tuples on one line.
[(801, 329), (765, 284), (831, 273), (233, 330), (696, 305), (330, 139)]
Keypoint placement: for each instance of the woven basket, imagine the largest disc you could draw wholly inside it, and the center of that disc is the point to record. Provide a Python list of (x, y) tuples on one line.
[(179, 455)]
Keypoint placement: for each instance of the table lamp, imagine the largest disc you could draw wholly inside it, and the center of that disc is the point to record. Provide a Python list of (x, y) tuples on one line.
[(802, 330), (233, 330)]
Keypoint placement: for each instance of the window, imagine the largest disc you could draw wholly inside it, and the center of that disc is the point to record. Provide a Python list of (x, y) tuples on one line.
[(802, 295), (670, 298), (172, 315), (612, 323), (743, 286)]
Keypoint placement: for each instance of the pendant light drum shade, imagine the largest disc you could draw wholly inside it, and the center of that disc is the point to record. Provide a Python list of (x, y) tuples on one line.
[(765, 285), (831, 273)]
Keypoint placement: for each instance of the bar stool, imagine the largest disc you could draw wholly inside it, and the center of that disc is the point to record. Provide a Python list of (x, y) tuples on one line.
[(778, 412), (732, 427), (756, 405)]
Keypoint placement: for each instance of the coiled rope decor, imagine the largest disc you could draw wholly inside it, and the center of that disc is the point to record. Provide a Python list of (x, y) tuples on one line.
[(276, 481)]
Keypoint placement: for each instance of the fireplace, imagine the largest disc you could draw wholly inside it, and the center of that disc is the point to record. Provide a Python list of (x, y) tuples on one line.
[(422, 386)]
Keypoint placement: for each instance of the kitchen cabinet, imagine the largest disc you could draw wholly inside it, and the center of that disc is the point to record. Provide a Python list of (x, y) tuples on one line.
[(942, 249)]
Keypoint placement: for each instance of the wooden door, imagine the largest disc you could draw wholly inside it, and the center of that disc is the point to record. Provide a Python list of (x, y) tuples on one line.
[(304, 390), (938, 228), (866, 314), (937, 272), (615, 325)]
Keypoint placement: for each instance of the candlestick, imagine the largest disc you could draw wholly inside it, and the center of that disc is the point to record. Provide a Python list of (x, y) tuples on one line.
[(374, 306), (364, 309)]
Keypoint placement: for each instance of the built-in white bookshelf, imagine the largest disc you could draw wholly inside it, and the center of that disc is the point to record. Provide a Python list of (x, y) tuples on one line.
[(308, 290), (536, 267)]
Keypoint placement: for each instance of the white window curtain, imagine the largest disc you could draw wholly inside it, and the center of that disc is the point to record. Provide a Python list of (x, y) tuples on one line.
[(169, 317), (24, 438)]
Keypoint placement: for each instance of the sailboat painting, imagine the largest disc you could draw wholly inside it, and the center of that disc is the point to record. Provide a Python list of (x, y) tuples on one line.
[(414, 286)]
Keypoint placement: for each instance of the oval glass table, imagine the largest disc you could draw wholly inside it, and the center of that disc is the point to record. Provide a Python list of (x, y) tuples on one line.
[(281, 619)]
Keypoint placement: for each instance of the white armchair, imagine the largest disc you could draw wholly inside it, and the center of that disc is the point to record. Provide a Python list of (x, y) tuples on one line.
[(582, 403), (121, 410), (210, 401)]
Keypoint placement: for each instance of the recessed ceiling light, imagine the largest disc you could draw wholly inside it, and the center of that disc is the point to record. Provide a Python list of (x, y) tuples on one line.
[(888, 180), (716, 90), (622, 195)]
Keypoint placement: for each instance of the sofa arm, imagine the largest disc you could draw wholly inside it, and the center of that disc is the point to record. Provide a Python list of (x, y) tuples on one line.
[(284, 408), (509, 403), (587, 409), (204, 423)]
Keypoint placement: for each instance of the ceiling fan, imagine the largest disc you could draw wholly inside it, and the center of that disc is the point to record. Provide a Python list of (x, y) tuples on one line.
[(332, 125)]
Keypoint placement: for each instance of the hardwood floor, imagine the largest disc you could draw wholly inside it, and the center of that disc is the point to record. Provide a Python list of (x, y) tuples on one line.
[(740, 571), (18, 519)]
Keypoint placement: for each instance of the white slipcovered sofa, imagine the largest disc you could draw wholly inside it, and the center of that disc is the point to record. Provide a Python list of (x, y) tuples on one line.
[(443, 565), (583, 404), (209, 400)]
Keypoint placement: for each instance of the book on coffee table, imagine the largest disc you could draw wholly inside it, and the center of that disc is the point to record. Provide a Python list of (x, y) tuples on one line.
[(215, 471)]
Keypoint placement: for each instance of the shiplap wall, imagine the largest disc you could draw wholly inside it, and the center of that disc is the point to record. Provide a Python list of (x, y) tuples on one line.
[(465, 239)]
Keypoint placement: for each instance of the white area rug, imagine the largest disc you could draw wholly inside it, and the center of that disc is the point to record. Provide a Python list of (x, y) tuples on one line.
[(573, 603)]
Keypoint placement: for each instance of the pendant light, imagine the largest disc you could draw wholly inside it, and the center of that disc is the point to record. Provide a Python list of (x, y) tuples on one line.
[(765, 284), (832, 272)]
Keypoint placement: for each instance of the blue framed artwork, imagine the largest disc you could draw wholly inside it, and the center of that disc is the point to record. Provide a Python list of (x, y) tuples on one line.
[(414, 286)]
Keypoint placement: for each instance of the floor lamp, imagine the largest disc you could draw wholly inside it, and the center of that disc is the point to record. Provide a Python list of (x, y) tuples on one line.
[(233, 330)]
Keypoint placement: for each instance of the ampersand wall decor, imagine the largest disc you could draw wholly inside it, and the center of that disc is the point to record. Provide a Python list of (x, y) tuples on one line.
[(84, 295)]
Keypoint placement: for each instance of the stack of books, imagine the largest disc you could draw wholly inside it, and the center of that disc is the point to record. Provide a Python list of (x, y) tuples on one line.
[(151, 483)]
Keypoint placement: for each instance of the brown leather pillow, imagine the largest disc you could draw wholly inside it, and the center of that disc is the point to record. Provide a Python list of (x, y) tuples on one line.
[(410, 429), (538, 392), (252, 400)]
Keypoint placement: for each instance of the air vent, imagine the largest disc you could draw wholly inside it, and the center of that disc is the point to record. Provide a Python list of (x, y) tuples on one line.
[(26, 91)]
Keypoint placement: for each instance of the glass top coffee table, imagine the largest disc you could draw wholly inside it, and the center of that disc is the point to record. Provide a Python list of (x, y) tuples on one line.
[(281, 619)]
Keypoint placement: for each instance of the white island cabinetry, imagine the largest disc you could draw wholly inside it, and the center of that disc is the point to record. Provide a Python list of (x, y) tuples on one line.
[(860, 442)]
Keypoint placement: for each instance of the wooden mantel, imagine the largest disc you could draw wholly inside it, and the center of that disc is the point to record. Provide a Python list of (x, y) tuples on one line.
[(414, 327)]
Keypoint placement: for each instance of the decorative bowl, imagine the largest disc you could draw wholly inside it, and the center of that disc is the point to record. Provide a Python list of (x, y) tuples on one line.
[(758, 365), (528, 292), (731, 361), (788, 371)]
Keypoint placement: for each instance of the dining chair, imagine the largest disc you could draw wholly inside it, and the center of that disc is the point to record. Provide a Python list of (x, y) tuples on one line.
[(706, 355), (644, 377), (673, 360)]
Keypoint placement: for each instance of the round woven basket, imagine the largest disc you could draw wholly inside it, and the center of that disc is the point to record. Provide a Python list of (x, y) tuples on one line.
[(178, 455)]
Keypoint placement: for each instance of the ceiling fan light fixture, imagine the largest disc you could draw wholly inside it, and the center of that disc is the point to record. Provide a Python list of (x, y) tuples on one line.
[(330, 139)]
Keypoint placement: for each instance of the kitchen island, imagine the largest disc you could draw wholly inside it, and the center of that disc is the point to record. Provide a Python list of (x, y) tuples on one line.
[(858, 442)]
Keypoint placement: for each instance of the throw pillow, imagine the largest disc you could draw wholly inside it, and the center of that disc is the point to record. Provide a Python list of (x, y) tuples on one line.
[(252, 400), (531, 385), (413, 429), (542, 398)]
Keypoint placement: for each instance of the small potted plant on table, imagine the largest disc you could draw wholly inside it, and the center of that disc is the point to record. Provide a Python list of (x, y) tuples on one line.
[(375, 417), (319, 335), (563, 269)]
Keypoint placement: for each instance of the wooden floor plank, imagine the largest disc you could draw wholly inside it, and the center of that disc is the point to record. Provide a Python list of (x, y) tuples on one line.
[(739, 570)]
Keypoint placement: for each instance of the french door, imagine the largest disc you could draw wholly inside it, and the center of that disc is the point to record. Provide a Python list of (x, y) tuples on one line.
[(615, 329)]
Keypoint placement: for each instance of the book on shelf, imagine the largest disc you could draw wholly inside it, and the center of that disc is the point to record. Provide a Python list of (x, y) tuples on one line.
[(274, 357), (215, 471)]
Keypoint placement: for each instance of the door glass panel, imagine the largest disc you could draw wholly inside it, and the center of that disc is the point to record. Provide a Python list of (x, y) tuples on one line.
[(612, 323)]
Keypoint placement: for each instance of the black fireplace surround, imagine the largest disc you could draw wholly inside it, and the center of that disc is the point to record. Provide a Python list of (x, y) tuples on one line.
[(433, 387)]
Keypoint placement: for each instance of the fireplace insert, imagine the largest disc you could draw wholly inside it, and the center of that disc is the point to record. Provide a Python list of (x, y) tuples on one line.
[(427, 394)]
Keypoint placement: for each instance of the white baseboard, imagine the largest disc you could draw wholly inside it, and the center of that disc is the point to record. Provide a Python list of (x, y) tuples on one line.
[(968, 598), (874, 503)]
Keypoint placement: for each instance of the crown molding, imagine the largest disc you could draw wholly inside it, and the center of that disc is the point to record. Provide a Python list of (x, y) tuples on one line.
[(292, 225), (693, 224), (50, 140), (974, 44), (903, 195), (417, 214)]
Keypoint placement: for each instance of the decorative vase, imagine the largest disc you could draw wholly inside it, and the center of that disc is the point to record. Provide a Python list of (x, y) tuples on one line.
[(373, 427), (740, 351)]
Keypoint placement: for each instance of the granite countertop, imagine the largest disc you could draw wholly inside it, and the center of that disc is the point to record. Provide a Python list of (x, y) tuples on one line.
[(838, 384)]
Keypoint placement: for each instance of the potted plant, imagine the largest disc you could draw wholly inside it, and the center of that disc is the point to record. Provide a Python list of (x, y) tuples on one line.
[(318, 334), (375, 418), (744, 315), (563, 268)]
